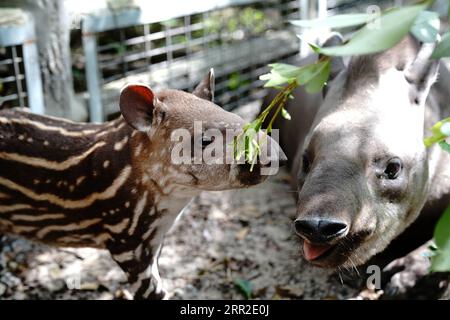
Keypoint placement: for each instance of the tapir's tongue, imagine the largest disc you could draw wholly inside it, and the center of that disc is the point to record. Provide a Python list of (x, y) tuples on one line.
[(313, 251)]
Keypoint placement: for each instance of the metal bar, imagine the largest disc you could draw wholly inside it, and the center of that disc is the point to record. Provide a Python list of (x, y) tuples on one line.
[(17, 32), (9, 61), (11, 78), (154, 52), (13, 96), (123, 52), (17, 73), (304, 14), (322, 9), (93, 78), (168, 45), (33, 77), (188, 34), (148, 46), (152, 36)]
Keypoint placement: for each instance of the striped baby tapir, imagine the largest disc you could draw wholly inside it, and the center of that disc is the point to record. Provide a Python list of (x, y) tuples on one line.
[(114, 185)]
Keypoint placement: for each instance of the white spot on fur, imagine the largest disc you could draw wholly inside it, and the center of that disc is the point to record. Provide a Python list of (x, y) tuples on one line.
[(138, 150), (80, 180), (120, 144)]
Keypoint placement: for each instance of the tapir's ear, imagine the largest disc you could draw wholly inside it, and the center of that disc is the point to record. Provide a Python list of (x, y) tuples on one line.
[(205, 89), (136, 105), (422, 73), (337, 63)]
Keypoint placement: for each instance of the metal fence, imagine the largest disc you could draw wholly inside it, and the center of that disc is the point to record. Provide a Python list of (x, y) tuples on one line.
[(174, 46), (20, 81)]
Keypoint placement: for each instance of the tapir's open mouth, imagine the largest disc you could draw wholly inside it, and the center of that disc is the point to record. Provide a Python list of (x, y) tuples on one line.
[(314, 252), (335, 254)]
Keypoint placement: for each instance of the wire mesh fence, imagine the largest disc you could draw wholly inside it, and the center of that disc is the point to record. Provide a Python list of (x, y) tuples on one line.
[(20, 79), (238, 40), (13, 91), (170, 45)]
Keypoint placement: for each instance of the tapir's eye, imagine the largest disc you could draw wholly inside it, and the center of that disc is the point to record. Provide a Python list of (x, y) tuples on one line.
[(393, 168), (306, 163), (207, 140)]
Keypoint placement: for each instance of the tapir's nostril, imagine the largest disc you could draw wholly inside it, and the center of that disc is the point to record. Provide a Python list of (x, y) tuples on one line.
[(319, 230), (306, 227)]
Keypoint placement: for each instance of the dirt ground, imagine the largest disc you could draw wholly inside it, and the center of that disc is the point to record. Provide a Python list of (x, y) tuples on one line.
[(223, 238)]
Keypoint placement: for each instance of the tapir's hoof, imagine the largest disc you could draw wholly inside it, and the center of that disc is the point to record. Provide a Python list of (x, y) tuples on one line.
[(409, 277), (155, 295), (123, 294), (161, 295)]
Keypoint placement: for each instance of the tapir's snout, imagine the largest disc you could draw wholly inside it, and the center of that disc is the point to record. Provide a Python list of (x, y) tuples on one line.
[(270, 159), (271, 153), (325, 221), (321, 236), (320, 231)]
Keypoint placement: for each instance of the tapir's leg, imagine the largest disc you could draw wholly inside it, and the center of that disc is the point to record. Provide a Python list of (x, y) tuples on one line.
[(141, 267), (406, 272)]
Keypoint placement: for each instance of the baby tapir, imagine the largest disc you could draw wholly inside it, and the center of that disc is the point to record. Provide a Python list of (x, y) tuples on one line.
[(117, 185), (357, 155)]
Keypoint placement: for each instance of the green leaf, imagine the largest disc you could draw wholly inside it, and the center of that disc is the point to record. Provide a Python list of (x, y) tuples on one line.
[(273, 79), (394, 25), (443, 48), (438, 133), (245, 287), (442, 230), (285, 114), (234, 81), (285, 70), (426, 26), (313, 46), (316, 84), (338, 21), (448, 15), (311, 71), (255, 125), (441, 261), (444, 145), (282, 73)]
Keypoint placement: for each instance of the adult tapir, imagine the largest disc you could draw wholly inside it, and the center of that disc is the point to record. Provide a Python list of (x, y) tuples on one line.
[(357, 156)]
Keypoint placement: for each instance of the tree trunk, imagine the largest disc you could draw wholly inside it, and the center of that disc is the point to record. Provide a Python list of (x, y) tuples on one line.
[(52, 25)]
